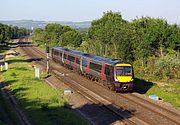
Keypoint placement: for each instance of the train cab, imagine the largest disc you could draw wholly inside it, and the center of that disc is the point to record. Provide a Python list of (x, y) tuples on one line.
[(123, 76)]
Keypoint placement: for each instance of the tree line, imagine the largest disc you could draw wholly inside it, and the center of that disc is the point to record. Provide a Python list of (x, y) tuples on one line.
[(57, 35), (146, 42), (8, 32)]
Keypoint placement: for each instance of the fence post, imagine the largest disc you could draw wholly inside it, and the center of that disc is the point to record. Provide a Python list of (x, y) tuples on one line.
[(1, 67), (6, 65), (37, 73)]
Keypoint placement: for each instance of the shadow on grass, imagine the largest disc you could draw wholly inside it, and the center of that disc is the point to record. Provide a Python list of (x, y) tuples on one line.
[(4, 48), (41, 112), (6, 83), (24, 60), (141, 86), (19, 89), (3, 71)]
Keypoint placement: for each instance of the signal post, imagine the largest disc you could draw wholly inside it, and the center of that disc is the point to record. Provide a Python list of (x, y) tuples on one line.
[(47, 58)]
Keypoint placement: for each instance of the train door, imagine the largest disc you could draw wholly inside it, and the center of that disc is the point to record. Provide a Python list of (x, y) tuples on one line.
[(52, 53), (103, 72), (74, 65), (115, 77), (67, 61), (81, 64), (87, 66), (59, 58)]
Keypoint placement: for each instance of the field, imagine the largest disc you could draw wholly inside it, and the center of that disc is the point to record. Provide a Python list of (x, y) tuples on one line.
[(42, 104), (168, 92)]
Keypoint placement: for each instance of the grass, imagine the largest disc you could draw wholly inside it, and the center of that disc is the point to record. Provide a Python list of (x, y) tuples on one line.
[(42, 104), (170, 92), (2, 51)]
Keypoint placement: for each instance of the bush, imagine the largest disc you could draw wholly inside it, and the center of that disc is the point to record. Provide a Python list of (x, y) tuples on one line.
[(159, 68)]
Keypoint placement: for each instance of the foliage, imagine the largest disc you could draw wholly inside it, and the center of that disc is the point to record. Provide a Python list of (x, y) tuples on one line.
[(71, 39), (56, 34), (153, 37), (11, 32), (159, 68), (112, 33)]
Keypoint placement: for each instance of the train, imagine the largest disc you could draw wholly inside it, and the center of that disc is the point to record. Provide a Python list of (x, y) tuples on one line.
[(115, 74)]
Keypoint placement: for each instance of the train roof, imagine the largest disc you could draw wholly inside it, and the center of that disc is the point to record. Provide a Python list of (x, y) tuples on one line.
[(92, 56), (69, 50)]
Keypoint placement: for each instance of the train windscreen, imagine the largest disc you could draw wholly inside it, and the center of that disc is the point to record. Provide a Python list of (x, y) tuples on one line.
[(124, 71)]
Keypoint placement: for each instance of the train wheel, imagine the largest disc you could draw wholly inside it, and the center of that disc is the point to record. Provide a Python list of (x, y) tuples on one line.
[(93, 78), (97, 79), (90, 77), (112, 87), (104, 83)]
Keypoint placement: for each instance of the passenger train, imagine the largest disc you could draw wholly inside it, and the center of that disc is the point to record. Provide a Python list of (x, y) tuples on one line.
[(113, 73)]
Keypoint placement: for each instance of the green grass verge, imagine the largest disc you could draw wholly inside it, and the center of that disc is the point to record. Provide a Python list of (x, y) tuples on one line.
[(168, 93), (43, 104), (2, 51)]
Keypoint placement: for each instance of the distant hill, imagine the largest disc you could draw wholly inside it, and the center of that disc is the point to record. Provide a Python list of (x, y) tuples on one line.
[(29, 24)]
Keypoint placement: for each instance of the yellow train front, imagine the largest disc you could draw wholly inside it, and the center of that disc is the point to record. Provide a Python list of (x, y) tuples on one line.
[(123, 77)]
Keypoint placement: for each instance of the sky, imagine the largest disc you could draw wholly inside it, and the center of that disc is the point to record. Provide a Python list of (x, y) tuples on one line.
[(88, 10)]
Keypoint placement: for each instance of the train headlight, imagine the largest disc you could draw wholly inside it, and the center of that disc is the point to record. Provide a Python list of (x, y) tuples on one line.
[(132, 79)]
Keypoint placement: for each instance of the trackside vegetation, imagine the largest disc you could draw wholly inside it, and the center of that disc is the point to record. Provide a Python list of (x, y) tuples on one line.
[(150, 44), (43, 104), (8, 32)]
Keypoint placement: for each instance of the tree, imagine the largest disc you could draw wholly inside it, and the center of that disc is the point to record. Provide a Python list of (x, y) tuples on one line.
[(115, 35), (152, 35), (57, 34)]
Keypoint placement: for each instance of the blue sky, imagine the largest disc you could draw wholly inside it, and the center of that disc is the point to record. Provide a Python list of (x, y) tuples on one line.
[(87, 10)]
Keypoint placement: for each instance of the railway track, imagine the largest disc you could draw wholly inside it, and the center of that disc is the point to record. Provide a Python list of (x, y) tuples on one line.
[(142, 109), (121, 114), (173, 116)]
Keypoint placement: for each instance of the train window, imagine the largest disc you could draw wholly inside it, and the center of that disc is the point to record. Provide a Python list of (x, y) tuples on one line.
[(95, 66), (98, 67), (71, 58), (55, 52), (92, 65), (84, 62), (107, 70), (60, 54), (124, 71), (77, 61)]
